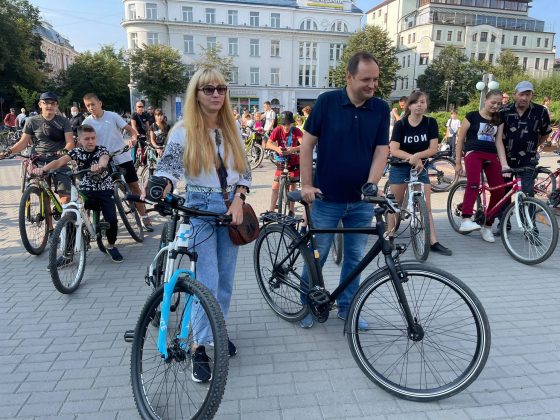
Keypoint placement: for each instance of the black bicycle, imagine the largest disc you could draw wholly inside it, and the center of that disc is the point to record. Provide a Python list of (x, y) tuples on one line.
[(427, 335)]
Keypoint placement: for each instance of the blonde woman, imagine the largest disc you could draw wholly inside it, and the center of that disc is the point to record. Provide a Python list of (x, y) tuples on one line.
[(196, 145)]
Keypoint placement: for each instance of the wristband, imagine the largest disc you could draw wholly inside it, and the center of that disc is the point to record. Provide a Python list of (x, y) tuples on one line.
[(240, 195)]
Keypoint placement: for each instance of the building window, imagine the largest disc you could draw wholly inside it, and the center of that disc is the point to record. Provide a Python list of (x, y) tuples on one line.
[(524, 63), (438, 35), (254, 18), (275, 20), (132, 11), (275, 48), (481, 56), (424, 59), (402, 40), (523, 41), (210, 15), (449, 35), (503, 39), (254, 48), (484, 37), (408, 61), (336, 51), (403, 62), (308, 25), (151, 11), (153, 38), (339, 26), (493, 38), (515, 40), (232, 17), (188, 41), (472, 56), (133, 40), (409, 38), (474, 37), (255, 75), (414, 37), (234, 75), (459, 36), (275, 76), (187, 14), (537, 63), (538, 42), (545, 64), (308, 50), (307, 75), (233, 46), (546, 42), (491, 58), (210, 42), (406, 83)]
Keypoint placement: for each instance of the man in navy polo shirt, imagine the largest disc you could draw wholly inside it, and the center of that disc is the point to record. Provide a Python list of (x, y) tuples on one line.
[(351, 130)]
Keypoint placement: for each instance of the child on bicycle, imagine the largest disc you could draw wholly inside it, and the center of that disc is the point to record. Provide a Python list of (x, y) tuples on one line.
[(285, 140), (98, 193), (414, 137)]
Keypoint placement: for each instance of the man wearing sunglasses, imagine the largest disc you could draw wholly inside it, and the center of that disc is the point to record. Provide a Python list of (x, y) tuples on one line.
[(50, 134)]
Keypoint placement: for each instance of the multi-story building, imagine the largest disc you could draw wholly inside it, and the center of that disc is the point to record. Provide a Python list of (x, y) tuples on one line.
[(58, 51), (282, 50), (420, 29)]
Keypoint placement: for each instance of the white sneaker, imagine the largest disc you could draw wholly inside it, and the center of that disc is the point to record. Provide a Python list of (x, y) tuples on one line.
[(467, 225), (487, 235)]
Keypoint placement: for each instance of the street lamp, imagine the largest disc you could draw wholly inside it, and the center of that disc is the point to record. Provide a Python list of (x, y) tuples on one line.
[(448, 86), (487, 83)]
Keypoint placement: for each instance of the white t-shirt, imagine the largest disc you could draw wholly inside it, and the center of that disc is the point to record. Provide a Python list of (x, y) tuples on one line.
[(453, 126), (108, 129), (269, 116)]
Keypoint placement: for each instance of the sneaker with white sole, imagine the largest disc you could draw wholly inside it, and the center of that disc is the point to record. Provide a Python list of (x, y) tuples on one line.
[(487, 234), (467, 225), (201, 365)]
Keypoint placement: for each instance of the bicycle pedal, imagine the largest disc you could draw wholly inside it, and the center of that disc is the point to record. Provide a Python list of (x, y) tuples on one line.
[(129, 336)]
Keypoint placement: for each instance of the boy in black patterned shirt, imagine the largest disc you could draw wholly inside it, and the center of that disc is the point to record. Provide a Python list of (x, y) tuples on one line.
[(98, 193)]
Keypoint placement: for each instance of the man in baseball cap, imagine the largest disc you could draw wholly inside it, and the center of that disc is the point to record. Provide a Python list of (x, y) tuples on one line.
[(526, 127), (48, 96)]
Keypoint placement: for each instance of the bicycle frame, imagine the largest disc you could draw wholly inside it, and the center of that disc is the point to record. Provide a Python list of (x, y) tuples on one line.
[(415, 188), (42, 184)]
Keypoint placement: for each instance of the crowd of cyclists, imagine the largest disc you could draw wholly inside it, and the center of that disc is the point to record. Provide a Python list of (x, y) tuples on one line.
[(501, 135)]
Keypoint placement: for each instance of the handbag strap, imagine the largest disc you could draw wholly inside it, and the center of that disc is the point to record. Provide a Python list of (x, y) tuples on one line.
[(221, 169)]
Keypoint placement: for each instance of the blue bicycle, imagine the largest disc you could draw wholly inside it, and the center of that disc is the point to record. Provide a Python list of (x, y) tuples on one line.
[(180, 316)]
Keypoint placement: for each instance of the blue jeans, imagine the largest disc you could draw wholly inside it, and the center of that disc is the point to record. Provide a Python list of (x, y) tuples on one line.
[(326, 215), (217, 258)]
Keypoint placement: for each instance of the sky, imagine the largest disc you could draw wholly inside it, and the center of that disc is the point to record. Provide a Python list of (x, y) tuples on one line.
[(89, 25)]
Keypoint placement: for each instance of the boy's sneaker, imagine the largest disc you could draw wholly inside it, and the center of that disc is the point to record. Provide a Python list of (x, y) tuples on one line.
[(147, 224), (115, 254), (232, 350), (468, 225), (200, 365), (487, 235)]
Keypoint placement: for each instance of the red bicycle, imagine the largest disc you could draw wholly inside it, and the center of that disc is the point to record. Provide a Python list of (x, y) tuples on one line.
[(547, 185), (528, 228)]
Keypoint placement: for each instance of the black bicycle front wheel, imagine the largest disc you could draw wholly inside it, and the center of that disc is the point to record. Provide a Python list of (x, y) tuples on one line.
[(67, 257), (420, 228), (255, 155), (128, 212), (163, 388), (452, 342), (442, 174), (283, 286), (32, 218), (455, 207)]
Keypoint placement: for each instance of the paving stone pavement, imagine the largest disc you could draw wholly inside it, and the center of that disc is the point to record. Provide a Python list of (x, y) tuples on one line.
[(63, 356)]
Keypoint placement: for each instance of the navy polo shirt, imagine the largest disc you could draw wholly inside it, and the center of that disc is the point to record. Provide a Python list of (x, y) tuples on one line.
[(347, 136)]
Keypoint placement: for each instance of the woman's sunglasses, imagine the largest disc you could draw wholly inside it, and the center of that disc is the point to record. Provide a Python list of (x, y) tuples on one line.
[(209, 89)]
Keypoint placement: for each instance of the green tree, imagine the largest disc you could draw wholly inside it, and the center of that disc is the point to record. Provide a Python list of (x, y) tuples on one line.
[(507, 67), (211, 57), (28, 96), (158, 72), (451, 64), (375, 41), (104, 72), (21, 58)]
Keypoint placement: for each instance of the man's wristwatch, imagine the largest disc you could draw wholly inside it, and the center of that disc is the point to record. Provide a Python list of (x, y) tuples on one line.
[(240, 195)]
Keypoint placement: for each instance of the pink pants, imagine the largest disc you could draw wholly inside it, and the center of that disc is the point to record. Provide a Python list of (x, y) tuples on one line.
[(493, 171)]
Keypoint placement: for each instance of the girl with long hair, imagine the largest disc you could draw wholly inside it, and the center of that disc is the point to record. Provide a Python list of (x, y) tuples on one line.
[(207, 139), (480, 136)]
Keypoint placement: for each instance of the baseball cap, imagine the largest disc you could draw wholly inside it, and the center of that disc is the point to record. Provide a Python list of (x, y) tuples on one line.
[(524, 86), (48, 96), (287, 118)]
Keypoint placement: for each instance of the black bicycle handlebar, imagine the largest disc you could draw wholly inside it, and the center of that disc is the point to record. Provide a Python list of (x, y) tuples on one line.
[(177, 203)]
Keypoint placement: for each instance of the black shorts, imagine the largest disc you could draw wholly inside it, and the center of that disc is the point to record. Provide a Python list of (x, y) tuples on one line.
[(129, 171)]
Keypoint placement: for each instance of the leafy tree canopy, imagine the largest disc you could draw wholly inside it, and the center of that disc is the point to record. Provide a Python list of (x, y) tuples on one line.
[(158, 72), (375, 41), (211, 57)]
